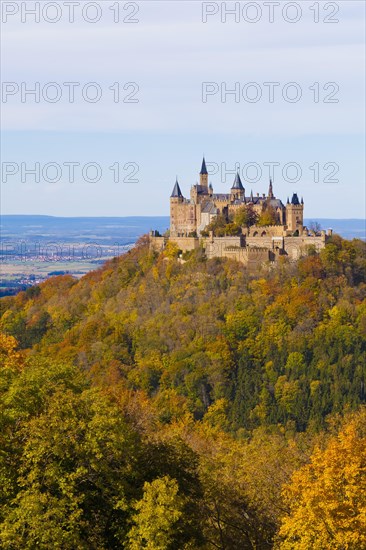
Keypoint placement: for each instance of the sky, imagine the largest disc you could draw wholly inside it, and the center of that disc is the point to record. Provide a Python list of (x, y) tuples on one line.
[(130, 95)]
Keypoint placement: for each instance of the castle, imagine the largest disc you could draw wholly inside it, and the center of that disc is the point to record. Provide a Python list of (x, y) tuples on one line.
[(251, 229)]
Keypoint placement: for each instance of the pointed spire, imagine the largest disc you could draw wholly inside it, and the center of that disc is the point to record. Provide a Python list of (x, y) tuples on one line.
[(270, 190), (203, 168), (176, 190), (302, 200), (288, 200), (251, 195), (237, 183)]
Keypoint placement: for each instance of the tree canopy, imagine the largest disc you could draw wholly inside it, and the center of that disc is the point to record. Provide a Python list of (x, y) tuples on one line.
[(163, 404)]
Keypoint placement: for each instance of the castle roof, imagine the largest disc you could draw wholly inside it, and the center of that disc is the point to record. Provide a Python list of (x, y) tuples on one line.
[(295, 199), (176, 190), (203, 168), (255, 200), (209, 208), (275, 203), (200, 189), (237, 183)]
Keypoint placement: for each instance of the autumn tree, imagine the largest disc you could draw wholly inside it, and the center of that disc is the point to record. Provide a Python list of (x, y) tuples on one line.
[(268, 217), (327, 497), (246, 216), (73, 476), (156, 516)]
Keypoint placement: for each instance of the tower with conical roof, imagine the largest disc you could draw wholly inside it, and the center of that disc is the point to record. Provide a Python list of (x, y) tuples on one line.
[(204, 176), (176, 202), (295, 214), (176, 193), (237, 190)]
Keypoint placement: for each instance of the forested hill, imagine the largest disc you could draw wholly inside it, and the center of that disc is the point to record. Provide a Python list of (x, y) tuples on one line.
[(288, 346), (225, 384)]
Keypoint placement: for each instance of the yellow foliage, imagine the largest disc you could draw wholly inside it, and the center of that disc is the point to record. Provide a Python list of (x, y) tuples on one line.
[(327, 498), (9, 356), (157, 514), (171, 250)]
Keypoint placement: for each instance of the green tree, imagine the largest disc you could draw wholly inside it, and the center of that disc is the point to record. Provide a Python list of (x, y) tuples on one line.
[(157, 515), (268, 217), (245, 216), (74, 476)]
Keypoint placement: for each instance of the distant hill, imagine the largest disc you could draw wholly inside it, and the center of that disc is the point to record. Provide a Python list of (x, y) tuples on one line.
[(81, 229), (348, 228), (124, 230)]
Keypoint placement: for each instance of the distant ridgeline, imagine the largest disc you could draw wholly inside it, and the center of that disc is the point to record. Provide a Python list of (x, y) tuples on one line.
[(250, 229)]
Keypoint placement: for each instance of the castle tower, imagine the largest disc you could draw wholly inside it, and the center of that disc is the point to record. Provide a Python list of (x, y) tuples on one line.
[(270, 190), (237, 191), (176, 199), (295, 214), (204, 176)]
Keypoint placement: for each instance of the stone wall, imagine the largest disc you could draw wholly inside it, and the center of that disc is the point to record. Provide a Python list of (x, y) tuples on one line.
[(251, 251), (261, 242), (224, 247), (256, 258), (182, 217), (186, 243), (235, 248), (295, 247), (157, 244), (257, 231)]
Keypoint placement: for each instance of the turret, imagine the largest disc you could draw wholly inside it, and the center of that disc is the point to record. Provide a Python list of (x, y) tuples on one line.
[(176, 200), (176, 193), (270, 190), (204, 176), (237, 191), (295, 214)]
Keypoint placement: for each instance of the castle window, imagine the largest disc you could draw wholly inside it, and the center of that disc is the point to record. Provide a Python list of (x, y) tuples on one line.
[(263, 234)]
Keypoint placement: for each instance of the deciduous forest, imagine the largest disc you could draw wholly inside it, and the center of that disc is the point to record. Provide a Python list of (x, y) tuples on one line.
[(174, 403)]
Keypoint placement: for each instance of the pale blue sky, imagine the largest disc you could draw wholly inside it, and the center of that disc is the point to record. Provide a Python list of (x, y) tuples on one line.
[(169, 53)]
